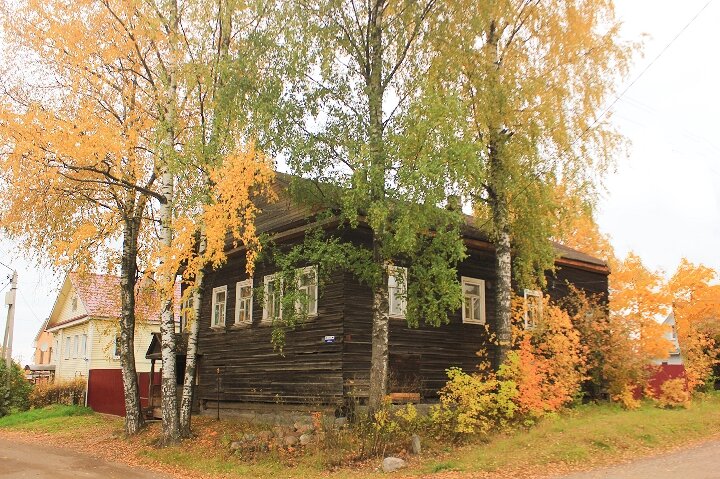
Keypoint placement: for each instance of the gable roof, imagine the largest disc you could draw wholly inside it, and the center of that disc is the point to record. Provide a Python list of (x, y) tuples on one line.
[(99, 295), (285, 214)]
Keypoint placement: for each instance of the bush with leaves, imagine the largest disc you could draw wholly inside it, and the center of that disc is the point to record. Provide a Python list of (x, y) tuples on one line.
[(549, 364), (14, 389), (70, 393), (476, 404), (674, 393)]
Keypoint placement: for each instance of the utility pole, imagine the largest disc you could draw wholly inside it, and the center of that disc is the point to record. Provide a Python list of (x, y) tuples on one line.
[(8, 338)]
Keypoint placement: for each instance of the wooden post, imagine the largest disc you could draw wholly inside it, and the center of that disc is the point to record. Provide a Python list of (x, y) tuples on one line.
[(218, 393)]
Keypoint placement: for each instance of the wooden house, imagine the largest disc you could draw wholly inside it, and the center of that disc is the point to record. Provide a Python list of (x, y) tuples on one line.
[(326, 360), (42, 369)]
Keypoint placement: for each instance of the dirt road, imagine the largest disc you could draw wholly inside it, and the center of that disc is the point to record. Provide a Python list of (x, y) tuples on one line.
[(21, 460), (699, 462)]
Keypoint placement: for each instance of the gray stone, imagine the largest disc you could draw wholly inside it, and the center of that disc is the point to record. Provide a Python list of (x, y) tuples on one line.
[(415, 444), (247, 437), (392, 464), (290, 440), (279, 431), (306, 439), (235, 445), (304, 428), (265, 436)]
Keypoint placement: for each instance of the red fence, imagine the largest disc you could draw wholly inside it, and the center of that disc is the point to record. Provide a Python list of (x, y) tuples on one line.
[(105, 390), (665, 372)]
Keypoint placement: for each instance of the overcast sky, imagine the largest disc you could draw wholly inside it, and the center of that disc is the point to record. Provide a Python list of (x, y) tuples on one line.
[(663, 200)]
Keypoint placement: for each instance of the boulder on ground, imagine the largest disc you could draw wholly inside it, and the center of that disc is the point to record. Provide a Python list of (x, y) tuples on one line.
[(392, 464)]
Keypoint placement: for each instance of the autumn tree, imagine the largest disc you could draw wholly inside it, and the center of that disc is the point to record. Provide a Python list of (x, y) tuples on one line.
[(356, 108), (79, 175), (695, 295), (532, 78)]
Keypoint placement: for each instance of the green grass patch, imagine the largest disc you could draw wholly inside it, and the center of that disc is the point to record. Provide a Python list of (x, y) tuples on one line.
[(595, 434), (44, 415)]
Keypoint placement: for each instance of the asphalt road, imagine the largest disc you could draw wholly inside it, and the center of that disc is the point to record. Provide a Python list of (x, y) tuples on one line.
[(20, 460), (699, 462)]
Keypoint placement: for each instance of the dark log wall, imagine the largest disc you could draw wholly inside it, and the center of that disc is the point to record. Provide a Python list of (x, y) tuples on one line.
[(309, 370), (312, 371), (419, 357), (589, 281)]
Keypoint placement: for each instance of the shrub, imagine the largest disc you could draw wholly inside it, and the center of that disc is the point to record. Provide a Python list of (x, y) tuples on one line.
[(14, 389), (474, 404), (674, 393), (71, 393), (626, 397), (549, 364)]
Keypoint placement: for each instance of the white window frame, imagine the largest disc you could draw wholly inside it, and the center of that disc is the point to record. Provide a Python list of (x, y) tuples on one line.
[(83, 344), (398, 293), (76, 346), (531, 293), (214, 321), (67, 347), (267, 280), (300, 272), (116, 347), (481, 284), (248, 283)]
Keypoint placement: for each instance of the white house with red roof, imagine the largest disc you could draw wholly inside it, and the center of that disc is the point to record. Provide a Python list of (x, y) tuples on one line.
[(85, 324)]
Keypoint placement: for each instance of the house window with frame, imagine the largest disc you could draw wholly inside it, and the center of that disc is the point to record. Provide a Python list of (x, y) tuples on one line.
[(83, 346), (76, 346), (116, 347), (67, 348), (397, 291), (533, 302), (219, 303), (307, 284), (473, 311), (273, 297), (243, 301), (74, 303)]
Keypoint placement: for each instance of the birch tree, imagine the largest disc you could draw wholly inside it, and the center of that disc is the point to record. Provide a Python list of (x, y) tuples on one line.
[(533, 78), (357, 103), (78, 170)]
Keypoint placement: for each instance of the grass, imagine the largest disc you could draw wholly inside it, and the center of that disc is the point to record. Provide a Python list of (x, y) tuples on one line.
[(582, 437), (595, 434), (47, 418)]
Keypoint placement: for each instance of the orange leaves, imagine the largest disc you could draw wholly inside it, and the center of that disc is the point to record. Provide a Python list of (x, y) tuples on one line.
[(243, 177), (696, 304), (549, 363)]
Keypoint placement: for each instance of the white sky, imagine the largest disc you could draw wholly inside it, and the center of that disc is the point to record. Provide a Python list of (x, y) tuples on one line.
[(663, 201)]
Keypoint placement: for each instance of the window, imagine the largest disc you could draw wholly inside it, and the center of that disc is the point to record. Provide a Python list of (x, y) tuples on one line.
[(473, 300), (673, 332), (76, 345), (273, 295), (186, 312), (67, 348), (307, 285), (533, 308), (243, 302), (116, 347), (397, 291), (83, 346), (219, 300), (74, 303)]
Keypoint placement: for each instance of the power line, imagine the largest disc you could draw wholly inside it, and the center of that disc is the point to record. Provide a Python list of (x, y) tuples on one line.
[(644, 70)]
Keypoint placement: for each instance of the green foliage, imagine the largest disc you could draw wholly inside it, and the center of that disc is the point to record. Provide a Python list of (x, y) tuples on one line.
[(44, 414), (474, 404), (14, 389)]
